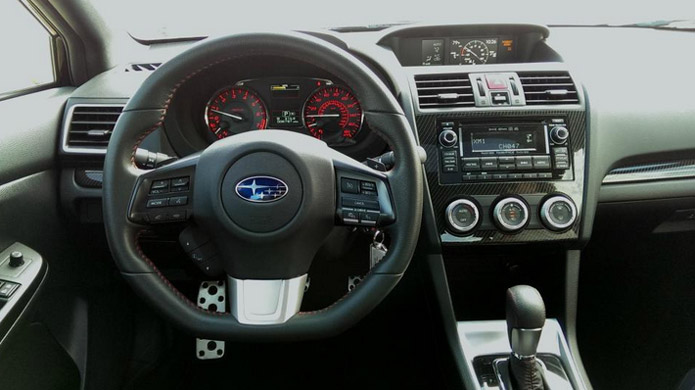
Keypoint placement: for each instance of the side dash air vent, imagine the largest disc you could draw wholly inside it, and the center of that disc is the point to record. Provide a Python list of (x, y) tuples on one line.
[(548, 88), (148, 67), (444, 90), (88, 128)]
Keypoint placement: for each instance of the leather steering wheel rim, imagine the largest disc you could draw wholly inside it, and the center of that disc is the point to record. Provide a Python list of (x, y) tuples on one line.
[(145, 112)]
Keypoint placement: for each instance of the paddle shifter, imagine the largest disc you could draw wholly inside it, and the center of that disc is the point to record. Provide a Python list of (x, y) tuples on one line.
[(525, 320)]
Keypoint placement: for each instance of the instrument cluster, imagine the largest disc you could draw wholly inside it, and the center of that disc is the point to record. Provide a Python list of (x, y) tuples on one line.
[(314, 106)]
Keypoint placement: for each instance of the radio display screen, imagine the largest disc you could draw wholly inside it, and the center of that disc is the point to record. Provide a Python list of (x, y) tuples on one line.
[(503, 139), (523, 141)]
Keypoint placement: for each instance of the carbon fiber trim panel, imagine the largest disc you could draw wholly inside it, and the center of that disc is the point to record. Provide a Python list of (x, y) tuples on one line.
[(667, 170), (533, 191)]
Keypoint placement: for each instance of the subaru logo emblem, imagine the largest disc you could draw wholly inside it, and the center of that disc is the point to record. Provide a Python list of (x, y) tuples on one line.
[(261, 189)]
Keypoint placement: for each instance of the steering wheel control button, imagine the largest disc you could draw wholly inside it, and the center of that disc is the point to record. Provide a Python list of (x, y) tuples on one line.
[(177, 216), (16, 259), (360, 203), (154, 203), (368, 185), (180, 184), (462, 216), (349, 186), (511, 214), (559, 135), (158, 217), (351, 217), (369, 219), (159, 187), (178, 201), (558, 213)]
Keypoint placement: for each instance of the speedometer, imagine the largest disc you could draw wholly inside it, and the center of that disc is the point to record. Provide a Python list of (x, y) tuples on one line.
[(333, 114), (234, 110)]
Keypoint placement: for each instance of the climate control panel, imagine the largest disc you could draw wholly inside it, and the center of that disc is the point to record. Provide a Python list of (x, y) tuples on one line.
[(510, 214)]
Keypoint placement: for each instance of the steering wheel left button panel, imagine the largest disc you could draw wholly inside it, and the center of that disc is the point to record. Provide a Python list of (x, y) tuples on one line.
[(164, 195)]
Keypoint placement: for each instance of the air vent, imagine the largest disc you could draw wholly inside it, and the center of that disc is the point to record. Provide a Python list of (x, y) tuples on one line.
[(548, 88), (444, 90), (149, 67), (89, 127)]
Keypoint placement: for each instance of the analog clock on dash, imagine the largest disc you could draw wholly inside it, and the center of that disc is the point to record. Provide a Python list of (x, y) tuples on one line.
[(473, 51)]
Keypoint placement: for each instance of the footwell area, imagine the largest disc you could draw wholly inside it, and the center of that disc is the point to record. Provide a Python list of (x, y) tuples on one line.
[(394, 347), (636, 317)]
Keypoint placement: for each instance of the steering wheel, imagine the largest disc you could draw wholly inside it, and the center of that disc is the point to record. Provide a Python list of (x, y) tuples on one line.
[(264, 245)]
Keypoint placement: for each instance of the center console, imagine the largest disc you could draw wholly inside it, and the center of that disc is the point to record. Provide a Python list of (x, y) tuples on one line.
[(504, 125), (502, 172)]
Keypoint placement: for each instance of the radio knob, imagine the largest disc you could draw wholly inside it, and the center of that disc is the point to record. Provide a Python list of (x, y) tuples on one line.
[(510, 214), (558, 213), (462, 216), (448, 138), (559, 134)]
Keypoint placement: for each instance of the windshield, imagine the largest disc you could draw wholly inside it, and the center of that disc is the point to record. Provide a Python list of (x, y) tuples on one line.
[(167, 19)]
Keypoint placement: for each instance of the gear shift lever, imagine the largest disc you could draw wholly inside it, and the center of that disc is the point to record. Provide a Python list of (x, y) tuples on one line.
[(525, 320)]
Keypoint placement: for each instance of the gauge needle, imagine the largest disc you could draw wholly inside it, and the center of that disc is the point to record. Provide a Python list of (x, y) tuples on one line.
[(236, 117), (324, 116), (476, 56)]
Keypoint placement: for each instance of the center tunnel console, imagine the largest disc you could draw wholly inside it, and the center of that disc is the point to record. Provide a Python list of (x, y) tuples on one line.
[(507, 148)]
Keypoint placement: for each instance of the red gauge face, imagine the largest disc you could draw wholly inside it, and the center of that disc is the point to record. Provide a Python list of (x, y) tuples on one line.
[(235, 110), (334, 115)]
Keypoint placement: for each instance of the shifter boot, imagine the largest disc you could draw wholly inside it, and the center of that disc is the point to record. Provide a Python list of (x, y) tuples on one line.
[(526, 374)]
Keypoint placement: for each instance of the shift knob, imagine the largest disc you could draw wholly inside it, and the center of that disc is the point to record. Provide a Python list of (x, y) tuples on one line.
[(525, 319)]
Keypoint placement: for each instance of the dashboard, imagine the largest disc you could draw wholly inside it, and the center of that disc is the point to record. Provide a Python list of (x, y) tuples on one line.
[(515, 152)]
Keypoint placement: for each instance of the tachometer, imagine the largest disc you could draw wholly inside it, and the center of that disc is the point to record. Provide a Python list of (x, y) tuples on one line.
[(333, 114), (234, 110)]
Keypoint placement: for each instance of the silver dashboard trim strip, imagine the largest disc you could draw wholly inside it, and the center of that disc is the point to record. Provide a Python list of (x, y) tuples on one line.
[(651, 172)]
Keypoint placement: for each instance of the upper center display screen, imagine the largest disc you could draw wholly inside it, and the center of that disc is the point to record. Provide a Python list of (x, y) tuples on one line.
[(466, 51)]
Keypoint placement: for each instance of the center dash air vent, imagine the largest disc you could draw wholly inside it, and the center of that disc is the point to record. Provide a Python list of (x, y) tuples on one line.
[(88, 127), (444, 90), (548, 88), (148, 67)]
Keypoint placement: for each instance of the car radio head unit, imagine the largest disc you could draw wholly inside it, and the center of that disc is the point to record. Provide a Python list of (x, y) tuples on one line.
[(504, 151)]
